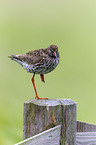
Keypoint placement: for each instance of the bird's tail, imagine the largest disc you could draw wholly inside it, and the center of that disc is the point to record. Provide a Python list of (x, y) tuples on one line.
[(16, 58)]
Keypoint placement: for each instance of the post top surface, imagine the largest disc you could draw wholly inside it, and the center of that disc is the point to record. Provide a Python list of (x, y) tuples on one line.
[(51, 102)]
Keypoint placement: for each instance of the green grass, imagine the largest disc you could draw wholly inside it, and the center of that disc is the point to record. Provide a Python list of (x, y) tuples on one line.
[(29, 25)]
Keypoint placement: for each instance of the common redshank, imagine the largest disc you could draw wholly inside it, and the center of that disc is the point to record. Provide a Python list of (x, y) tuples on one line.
[(41, 61)]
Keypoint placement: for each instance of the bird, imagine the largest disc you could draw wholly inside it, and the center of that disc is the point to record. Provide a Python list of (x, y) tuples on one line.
[(40, 61)]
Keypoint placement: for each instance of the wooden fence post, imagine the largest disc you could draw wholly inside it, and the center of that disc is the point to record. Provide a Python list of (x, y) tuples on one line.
[(40, 115)]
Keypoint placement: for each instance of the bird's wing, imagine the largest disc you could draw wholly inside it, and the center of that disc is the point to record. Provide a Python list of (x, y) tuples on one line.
[(37, 57)]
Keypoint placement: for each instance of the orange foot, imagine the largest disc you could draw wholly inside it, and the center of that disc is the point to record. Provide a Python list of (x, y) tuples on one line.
[(40, 98)]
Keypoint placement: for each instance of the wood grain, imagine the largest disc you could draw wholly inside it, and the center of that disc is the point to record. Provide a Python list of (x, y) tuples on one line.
[(86, 138), (52, 137), (40, 115), (48, 137), (85, 127)]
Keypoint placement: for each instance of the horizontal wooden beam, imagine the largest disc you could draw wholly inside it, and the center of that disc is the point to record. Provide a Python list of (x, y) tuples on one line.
[(86, 138), (85, 127), (48, 137), (52, 137)]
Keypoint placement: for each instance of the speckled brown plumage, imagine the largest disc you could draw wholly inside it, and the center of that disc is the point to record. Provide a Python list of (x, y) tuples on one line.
[(39, 61)]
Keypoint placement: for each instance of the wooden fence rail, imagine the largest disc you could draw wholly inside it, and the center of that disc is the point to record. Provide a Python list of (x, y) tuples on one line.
[(48, 137), (53, 122), (52, 137)]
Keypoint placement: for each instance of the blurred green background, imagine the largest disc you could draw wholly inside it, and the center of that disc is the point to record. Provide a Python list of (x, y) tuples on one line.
[(34, 24)]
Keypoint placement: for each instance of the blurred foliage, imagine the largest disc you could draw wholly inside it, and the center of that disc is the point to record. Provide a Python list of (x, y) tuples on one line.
[(33, 24)]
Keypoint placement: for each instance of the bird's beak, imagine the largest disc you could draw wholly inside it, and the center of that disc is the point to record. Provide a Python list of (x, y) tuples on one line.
[(55, 54)]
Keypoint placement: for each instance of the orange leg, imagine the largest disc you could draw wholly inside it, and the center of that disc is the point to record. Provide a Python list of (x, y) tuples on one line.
[(42, 78), (35, 88)]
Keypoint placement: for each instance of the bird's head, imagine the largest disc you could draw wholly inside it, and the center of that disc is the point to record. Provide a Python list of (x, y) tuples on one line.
[(53, 51)]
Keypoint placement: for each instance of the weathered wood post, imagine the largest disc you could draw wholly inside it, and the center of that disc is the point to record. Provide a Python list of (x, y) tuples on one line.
[(40, 115)]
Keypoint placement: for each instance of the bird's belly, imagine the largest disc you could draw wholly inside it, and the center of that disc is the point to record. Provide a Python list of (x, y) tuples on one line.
[(51, 66), (41, 69)]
